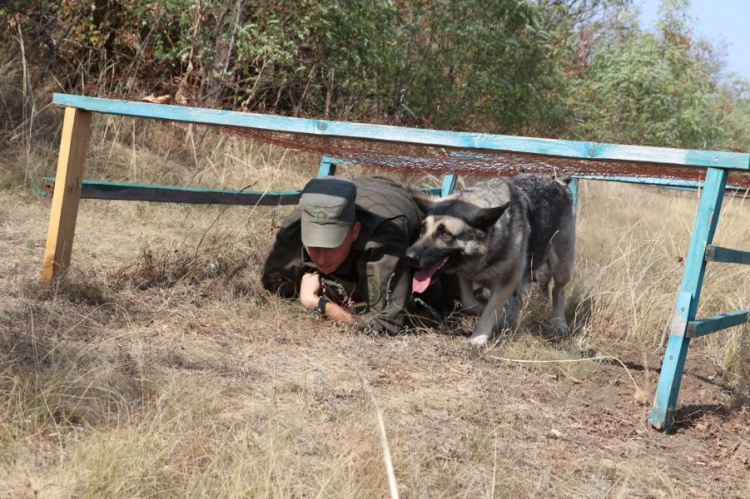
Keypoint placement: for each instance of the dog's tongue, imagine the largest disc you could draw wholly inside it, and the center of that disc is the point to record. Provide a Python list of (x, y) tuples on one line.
[(422, 278)]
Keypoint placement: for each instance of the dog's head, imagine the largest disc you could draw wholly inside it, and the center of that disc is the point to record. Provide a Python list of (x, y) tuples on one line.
[(454, 235)]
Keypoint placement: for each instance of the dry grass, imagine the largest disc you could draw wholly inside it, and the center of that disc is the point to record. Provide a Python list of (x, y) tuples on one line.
[(159, 367)]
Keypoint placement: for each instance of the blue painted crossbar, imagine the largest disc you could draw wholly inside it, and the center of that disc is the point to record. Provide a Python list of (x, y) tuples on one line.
[(726, 255), (404, 135), (672, 183), (93, 189), (716, 323)]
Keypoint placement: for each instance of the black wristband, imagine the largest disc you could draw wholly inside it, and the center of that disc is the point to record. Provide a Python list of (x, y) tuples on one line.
[(320, 308)]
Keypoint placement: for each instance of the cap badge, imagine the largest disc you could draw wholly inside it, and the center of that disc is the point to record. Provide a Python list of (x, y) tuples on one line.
[(322, 217)]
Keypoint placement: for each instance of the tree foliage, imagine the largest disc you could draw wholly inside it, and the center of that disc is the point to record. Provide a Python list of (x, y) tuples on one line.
[(556, 68), (735, 115), (649, 91), (654, 88), (484, 64)]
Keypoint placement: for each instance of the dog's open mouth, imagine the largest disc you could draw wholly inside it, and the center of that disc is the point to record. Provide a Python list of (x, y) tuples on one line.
[(423, 277)]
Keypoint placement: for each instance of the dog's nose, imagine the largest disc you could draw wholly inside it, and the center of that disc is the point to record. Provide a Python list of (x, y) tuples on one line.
[(412, 257)]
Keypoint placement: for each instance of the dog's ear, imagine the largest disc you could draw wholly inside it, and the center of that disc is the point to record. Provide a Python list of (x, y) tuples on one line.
[(485, 218), (424, 202)]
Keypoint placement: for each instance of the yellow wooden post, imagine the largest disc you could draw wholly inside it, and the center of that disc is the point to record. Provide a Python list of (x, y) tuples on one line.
[(62, 221)]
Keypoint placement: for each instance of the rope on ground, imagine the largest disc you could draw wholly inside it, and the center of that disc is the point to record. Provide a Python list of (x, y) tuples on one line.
[(565, 361)]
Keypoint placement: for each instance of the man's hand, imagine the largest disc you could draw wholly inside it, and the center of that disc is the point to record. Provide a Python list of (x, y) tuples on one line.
[(309, 294), (309, 290)]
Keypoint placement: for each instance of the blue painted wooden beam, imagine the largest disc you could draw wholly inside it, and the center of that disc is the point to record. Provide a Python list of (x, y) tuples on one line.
[(327, 167), (119, 191), (462, 140), (670, 378), (574, 191), (674, 183), (449, 183), (671, 182), (726, 255), (716, 323)]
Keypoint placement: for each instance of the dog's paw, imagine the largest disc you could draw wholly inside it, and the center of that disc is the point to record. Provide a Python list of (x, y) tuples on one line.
[(479, 340), (560, 325), (472, 350)]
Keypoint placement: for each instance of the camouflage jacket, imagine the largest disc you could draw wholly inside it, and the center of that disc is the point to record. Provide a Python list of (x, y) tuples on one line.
[(375, 280)]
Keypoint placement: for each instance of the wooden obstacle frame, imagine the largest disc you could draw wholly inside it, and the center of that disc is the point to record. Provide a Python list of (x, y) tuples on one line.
[(69, 186)]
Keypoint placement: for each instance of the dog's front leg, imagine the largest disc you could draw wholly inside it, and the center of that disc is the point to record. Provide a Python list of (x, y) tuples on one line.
[(493, 314), (468, 299)]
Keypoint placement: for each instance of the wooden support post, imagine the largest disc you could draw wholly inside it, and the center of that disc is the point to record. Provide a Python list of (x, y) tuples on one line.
[(662, 414), (327, 167), (574, 190), (449, 182), (67, 193)]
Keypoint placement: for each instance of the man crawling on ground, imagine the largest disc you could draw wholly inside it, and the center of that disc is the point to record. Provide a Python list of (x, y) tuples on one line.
[(341, 254)]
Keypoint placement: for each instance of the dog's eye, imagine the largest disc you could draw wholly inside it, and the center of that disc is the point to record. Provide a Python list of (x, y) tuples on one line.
[(445, 235)]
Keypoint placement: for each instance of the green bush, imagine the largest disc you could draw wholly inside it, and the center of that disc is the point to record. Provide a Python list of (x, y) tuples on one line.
[(483, 64)]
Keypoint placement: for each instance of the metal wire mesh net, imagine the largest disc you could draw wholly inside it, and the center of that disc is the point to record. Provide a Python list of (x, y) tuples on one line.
[(400, 156)]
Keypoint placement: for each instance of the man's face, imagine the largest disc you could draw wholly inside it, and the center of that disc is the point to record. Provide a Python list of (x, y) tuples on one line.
[(329, 259)]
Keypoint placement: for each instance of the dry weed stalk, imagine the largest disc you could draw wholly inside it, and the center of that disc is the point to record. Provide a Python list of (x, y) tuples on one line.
[(392, 484)]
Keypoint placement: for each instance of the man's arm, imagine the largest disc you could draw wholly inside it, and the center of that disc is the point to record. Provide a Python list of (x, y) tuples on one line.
[(284, 268), (310, 292)]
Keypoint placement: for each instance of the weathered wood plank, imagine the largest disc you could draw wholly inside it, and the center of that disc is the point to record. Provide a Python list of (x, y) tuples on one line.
[(464, 140), (727, 255), (716, 323), (67, 192)]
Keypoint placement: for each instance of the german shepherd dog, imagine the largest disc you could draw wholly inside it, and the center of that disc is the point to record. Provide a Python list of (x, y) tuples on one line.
[(498, 234)]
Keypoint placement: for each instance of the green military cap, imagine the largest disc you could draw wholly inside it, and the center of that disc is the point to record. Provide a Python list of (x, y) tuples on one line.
[(327, 205)]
